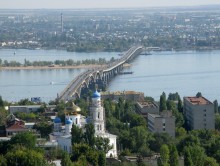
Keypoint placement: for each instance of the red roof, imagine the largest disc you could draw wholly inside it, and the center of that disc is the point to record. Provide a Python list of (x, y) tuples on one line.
[(15, 127)]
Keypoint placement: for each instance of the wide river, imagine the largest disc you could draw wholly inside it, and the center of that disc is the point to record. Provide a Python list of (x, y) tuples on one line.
[(185, 72)]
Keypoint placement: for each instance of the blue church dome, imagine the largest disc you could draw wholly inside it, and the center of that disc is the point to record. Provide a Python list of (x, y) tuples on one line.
[(57, 120), (96, 94), (68, 121)]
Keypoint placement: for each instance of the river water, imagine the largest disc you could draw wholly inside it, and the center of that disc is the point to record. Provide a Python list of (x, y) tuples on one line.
[(185, 72)]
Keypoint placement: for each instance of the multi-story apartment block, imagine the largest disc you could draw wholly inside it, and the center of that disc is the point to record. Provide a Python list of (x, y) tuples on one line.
[(199, 113), (162, 123)]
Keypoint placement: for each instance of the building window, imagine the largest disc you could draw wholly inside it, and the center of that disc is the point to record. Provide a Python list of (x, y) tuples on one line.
[(100, 127), (76, 120), (98, 115), (97, 127), (204, 110), (164, 129), (164, 124)]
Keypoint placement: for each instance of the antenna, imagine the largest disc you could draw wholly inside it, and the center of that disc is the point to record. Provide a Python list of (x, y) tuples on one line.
[(61, 22)]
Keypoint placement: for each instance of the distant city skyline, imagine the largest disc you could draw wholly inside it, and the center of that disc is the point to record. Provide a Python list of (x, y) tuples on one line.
[(72, 4)]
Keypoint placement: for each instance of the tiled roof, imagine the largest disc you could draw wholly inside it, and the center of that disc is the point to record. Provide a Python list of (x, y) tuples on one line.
[(15, 127)]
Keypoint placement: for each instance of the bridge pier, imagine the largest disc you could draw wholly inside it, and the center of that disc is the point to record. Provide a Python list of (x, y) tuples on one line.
[(82, 84)]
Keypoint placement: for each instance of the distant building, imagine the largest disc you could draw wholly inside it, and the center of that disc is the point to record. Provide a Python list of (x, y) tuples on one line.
[(162, 123), (126, 95), (144, 108), (24, 108), (199, 113)]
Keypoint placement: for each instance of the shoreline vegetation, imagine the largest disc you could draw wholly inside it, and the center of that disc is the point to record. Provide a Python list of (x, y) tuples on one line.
[(57, 64), (51, 67), (82, 66)]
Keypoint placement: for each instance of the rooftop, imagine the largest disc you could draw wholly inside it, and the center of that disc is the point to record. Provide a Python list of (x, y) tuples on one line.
[(121, 92), (25, 106), (148, 104), (198, 100), (164, 114)]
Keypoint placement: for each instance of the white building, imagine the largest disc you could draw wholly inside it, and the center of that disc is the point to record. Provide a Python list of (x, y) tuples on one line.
[(24, 108), (97, 118), (97, 114)]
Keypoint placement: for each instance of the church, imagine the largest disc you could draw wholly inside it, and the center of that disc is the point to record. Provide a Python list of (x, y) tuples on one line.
[(62, 134)]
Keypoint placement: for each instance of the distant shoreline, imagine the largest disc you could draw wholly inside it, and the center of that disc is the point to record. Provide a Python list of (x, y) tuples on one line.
[(50, 67)]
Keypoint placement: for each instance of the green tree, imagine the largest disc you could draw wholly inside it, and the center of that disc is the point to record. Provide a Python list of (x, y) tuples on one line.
[(139, 135), (197, 154), (158, 140), (173, 96), (163, 105), (216, 106), (25, 156), (174, 158), (3, 115), (25, 102), (77, 135), (189, 140), (3, 161), (164, 156), (81, 161), (89, 134), (102, 159), (209, 161), (26, 139), (44, 128), (217, 121), (180, 132), (180, 105), (199, 94), (187, 158), (80, 150), (1, 102), (102, 144), (65, 161)]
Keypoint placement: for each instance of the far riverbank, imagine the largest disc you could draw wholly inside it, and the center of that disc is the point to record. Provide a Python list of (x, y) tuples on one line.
[(50, 67)]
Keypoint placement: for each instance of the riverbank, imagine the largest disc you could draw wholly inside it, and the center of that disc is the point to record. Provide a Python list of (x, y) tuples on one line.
[(50, 67)]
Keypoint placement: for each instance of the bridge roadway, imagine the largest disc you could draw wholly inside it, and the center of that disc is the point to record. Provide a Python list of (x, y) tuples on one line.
[(97, 76)]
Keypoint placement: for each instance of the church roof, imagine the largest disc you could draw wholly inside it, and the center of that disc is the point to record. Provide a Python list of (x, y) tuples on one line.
[(96, 94), (68, 121), (73, 109), (57, 120)]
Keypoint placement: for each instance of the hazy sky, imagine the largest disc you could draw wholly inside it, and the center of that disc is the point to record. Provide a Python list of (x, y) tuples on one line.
[(100, 3)]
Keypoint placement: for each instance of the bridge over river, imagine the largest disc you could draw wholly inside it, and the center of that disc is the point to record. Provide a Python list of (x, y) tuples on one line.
[(98, 76)]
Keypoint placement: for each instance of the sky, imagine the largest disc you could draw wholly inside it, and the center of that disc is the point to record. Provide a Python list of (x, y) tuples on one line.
[(72, 4)]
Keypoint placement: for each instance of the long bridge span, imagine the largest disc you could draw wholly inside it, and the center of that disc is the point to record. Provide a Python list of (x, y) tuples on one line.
[(98, 76)]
